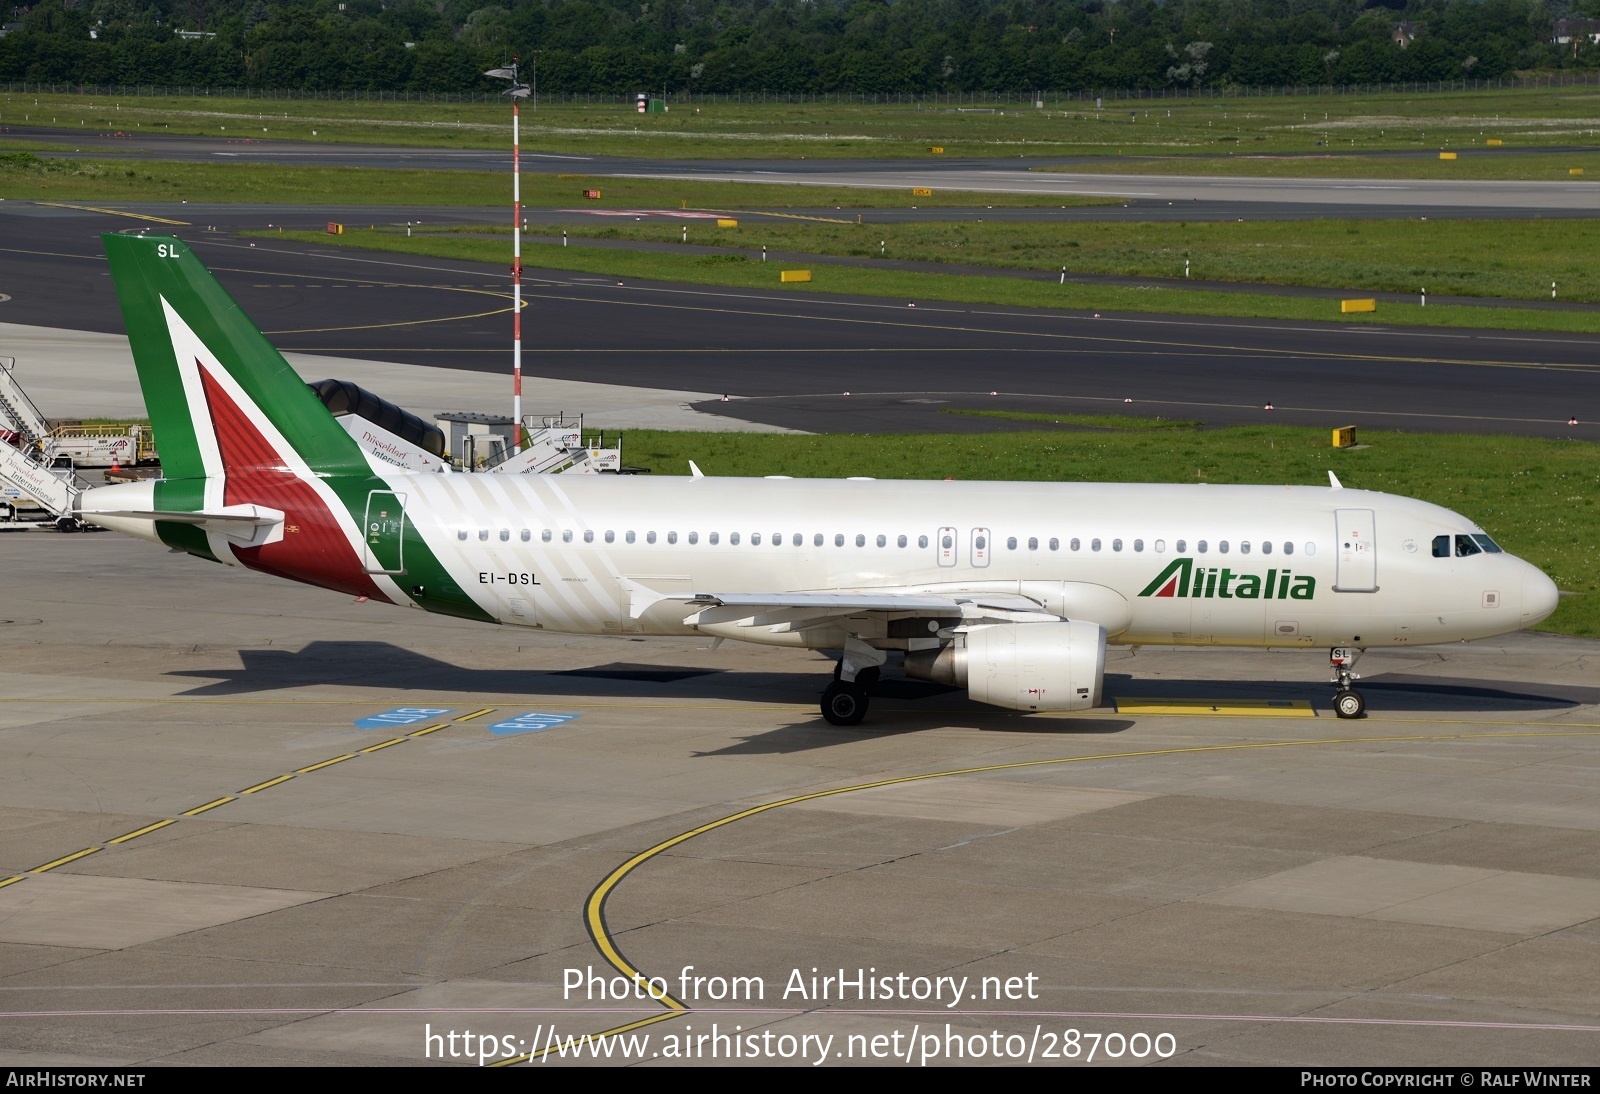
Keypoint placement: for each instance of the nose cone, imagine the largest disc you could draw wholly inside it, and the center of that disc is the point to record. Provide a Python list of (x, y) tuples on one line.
[(1539, 596)]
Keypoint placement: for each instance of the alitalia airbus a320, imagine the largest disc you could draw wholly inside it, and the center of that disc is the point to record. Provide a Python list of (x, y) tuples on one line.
[(1010, 590)]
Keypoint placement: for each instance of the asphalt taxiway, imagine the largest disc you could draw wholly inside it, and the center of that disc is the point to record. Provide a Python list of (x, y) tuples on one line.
[(787, 359), (247, 822)]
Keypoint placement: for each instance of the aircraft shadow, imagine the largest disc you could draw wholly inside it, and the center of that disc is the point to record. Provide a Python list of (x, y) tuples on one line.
[(1385, 692), (382, 665), (811, 734)]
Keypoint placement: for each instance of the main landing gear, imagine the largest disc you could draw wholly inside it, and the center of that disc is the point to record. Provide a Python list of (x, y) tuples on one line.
[(845, 701), (1347, 702)]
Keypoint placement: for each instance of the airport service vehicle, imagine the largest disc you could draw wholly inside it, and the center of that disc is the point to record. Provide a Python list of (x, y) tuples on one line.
[(1010, 590)]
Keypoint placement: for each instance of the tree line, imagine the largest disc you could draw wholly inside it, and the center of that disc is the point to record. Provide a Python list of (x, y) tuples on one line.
[(712, 46)]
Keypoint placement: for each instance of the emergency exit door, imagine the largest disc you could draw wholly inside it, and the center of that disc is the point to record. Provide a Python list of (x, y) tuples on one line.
[(1357, 552)]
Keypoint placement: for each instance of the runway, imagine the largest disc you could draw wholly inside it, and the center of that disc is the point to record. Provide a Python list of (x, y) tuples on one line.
[(1199, 197), (789, 358)]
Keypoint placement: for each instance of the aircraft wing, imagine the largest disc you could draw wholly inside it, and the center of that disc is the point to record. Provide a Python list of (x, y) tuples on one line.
[(814, 609)]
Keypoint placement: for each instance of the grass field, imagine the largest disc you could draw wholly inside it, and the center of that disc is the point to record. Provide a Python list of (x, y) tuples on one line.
[(1516, 259), (1536, 497), (1301, 123), (24, 176), (737, 271)]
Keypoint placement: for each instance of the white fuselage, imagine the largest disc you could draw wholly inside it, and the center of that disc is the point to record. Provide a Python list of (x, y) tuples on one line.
[(1266, 566)]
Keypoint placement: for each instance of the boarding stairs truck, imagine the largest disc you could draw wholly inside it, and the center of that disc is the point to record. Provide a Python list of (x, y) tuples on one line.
[(555, 445), (32, 475)]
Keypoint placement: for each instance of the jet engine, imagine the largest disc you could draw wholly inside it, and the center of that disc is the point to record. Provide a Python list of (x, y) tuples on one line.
[(1021, 666)]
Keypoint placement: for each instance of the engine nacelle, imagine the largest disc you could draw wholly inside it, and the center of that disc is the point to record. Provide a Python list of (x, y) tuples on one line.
[(1021, 666)]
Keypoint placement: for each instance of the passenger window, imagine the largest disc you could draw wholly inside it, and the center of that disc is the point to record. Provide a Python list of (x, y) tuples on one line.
[(588, 535), (1244, 547), (922, 541), (883, 541), (900, 542), (947, 542), (694, 537), (1465, 547), (629, 536), (981, 543), (544, 535), (505, 535), (1094, 544), (1076, 544), (672, 537), (1161, 547), (1441, 546), (816, 540), (1223, 547), (461, 534), (611, 537), (713, 538), (1487, 544), (1116, 545), (777, 539), (799, 540), (1033, 543), (1201, 547), (861, 541), (1288, 548), (1011, 543), (1266, 546), (755, 539), (566, 535), (1055, 544), (526, 535), (1181, 547), (838, 539), (483, 535), (649, 537), (733, 539), (1138, 545), (1311, 548)]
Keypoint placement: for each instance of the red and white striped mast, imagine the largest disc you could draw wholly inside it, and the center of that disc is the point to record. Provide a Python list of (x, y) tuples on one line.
[(518, 90)]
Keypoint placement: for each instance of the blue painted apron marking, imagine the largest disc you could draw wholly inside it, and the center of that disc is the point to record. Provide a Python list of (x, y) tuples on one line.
[(531, 722), (400, 716)]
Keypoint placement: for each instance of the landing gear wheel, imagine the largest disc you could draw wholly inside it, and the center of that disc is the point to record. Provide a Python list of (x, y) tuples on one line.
[(1349, 704), (844, 704)]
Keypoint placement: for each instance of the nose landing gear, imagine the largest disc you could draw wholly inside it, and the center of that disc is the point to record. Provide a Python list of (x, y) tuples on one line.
[(1347, 702)]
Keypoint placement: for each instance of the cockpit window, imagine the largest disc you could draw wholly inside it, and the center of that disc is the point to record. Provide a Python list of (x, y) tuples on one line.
[(1441, 546), (1465, 547), (1487, 544)]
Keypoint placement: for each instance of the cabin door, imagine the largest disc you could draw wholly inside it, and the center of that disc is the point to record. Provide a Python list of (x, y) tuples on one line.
[(1357, 552)]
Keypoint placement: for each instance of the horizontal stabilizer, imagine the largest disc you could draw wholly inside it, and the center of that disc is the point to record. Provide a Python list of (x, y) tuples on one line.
[(246, 525)]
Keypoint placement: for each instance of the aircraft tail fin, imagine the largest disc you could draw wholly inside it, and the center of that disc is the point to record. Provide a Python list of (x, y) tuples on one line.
[(221, 398)]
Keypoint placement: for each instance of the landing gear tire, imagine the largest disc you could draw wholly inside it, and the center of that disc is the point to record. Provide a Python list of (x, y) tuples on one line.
[(1349, 704), (844, 704)]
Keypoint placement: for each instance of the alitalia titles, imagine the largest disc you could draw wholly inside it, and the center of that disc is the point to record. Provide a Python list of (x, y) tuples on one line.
[(1184, 579)]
